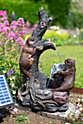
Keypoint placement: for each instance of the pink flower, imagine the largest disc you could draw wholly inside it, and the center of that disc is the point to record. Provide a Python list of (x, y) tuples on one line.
[(77, 107), (35, 25), (33, 28), (20, 41), (22, 32), (0, 43), (3, 18), (16, 41), (20, 21), (6, 22), (1, 25), (77, 116), (12, 36), (1, 30), (27, 24), (79, 104), (13, 27), (82, 119), (7, 41), (3, 13), (13, 23), (6, 30)]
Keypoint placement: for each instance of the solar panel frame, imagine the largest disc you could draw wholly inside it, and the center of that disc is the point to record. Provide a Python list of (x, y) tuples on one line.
[(11, 101)]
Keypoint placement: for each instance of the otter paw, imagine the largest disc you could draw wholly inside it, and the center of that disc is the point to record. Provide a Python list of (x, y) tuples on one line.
[(32, 59), (29, 76), (59, 72), (40, 48)]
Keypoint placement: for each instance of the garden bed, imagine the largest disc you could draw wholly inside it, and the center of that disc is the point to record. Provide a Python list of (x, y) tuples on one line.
[(28, 117)]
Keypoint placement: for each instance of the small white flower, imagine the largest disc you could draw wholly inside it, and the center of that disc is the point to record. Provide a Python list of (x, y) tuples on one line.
[(58, 32), (12, 85), (78, 31), (65, 115), (82, 99), (4, 71), (67, 112), (81, 109), (77, 112), (15, 109), (54, 27), (10, 79), (14, 92), (76, 41), (78, 99), (74, 35), (13, 77)]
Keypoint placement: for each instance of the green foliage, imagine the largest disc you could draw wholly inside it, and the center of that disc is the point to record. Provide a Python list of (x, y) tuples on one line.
[(24, 8), (49, 57), (58, 37), (21, 119), (8, 62), (75, 19), (50, 122), (75, 16), (59, 9)]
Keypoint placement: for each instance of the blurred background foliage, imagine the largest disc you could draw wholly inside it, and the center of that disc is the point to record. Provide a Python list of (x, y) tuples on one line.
[(28, 9), (59, 10), (65, 13)]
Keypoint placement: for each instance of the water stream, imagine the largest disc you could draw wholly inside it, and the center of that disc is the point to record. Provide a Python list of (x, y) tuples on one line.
[(58, 55)]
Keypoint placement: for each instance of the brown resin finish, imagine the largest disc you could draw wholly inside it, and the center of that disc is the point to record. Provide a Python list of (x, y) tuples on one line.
[(69, 76), (26, 59)]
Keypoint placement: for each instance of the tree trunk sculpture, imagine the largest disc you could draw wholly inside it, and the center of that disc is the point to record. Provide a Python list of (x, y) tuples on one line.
[(36, 91)]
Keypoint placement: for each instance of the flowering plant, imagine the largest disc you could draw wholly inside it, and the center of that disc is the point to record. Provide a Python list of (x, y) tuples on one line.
[(58, 36), (13, 35), (75, 115), (12, 40)]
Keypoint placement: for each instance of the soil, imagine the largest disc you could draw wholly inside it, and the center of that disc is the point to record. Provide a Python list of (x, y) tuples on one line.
[(33, 117)]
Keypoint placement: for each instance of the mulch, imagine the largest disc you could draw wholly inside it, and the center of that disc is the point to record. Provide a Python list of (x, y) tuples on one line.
[(77, 90)]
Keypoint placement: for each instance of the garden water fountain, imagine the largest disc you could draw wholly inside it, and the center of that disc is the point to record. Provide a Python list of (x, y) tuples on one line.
[(39, 92)]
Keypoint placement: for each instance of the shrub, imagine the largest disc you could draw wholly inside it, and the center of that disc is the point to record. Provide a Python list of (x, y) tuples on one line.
[(58, 37), (24, 8), (59, 9), (75, 16), (75, 19)]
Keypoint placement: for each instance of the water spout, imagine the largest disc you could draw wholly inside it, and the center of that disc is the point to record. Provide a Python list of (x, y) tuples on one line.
[(58, 55)]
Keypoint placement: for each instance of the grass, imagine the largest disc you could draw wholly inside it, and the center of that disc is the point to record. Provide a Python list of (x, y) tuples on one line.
[(49, 57)]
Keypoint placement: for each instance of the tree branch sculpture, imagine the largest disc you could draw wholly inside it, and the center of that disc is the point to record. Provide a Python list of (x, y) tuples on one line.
[(38, 91)]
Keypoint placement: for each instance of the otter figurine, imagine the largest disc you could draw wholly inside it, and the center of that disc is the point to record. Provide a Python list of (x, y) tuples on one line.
[(69, 76), (26, 59)]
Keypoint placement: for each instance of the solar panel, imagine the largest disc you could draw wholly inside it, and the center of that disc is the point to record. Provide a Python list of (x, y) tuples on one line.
[(5, 94)]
